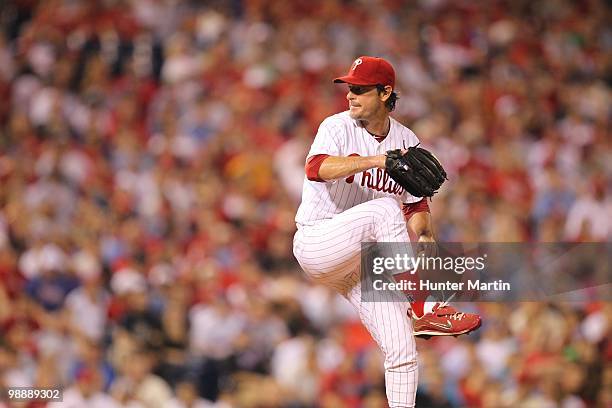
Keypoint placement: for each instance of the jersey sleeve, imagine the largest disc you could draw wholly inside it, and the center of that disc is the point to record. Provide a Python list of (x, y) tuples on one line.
[(419, 206), (410, 138), (313, 164), (328, 139)]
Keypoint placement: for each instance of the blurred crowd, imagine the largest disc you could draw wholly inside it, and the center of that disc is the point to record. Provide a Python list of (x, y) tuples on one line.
[(151, 163)]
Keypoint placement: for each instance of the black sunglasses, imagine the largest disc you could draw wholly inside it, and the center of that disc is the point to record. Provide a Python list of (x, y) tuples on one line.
[(361, 89)]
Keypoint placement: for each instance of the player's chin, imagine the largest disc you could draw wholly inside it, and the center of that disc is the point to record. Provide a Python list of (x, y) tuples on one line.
[(355, 112)]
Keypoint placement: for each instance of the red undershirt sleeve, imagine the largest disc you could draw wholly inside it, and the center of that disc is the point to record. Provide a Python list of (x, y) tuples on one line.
[(410, 209), (313, 164)]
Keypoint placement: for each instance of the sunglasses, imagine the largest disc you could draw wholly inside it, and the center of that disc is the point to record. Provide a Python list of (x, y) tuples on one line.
[(360, 90)]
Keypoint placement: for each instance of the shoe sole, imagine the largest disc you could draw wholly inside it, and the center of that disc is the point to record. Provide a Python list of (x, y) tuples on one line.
[(427, 334)]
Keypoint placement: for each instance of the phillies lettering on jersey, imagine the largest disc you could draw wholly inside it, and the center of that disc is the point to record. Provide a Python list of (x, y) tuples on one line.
[(382, 183), (340, 135), (379, 180)]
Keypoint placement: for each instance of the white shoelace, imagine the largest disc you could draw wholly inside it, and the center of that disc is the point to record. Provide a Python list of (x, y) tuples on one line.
[(454, 316)]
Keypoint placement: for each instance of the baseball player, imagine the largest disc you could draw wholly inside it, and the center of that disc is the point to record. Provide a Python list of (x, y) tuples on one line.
[(348, 199)]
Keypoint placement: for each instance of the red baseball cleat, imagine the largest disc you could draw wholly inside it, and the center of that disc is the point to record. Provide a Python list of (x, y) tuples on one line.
[(444, 320)]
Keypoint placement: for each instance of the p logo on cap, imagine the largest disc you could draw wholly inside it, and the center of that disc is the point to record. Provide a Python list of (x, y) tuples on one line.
[(357, 62)]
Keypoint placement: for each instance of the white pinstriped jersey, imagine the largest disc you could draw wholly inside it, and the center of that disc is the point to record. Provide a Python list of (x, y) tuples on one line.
[(340, 135)]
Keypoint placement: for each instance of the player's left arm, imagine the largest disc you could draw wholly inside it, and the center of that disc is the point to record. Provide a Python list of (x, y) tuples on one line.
[(419, 222), (417, 214)]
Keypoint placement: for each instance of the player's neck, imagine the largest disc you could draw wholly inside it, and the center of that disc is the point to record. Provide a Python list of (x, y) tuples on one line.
[(377, 126)]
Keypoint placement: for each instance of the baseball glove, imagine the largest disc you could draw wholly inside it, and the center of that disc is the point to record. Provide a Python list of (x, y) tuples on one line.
[(417, 171)]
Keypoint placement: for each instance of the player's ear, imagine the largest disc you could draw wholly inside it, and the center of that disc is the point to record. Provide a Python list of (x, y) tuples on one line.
[(385, 93)]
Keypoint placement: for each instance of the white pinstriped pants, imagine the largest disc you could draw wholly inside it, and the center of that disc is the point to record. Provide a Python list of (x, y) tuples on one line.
[(329, 252)]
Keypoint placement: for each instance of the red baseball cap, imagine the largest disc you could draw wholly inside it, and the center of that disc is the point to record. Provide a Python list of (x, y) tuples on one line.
[(369, 71)]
